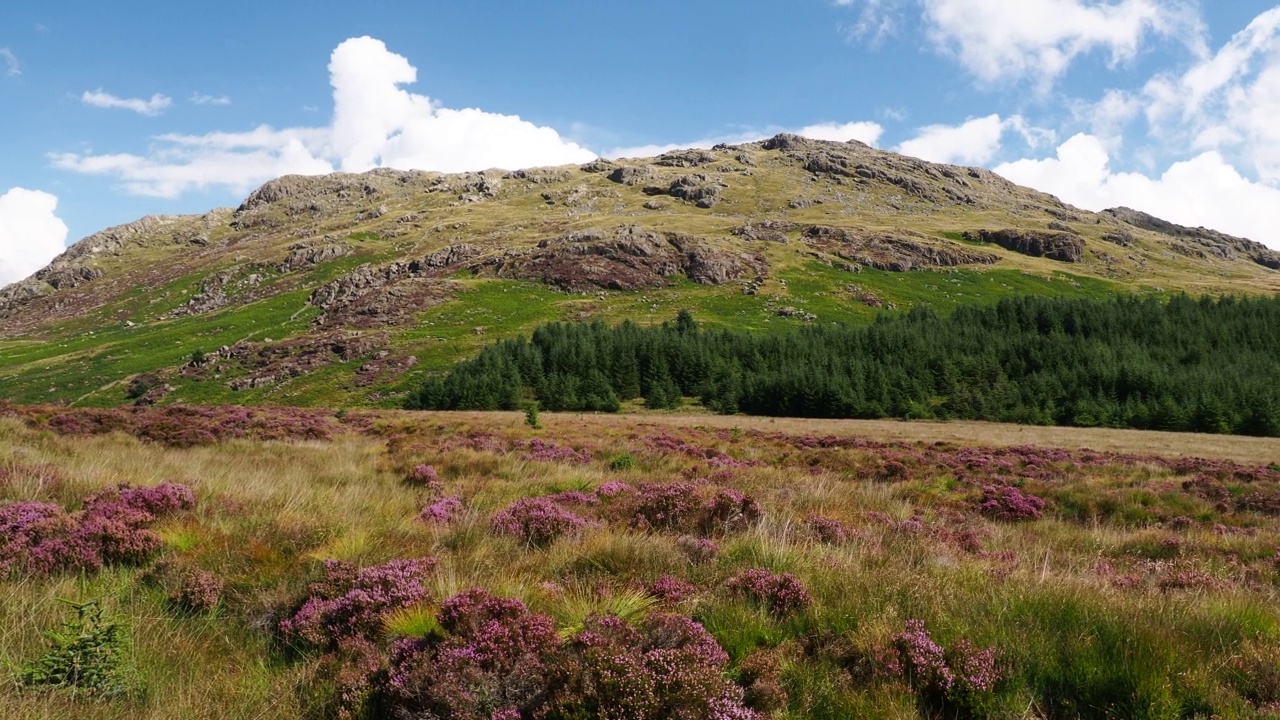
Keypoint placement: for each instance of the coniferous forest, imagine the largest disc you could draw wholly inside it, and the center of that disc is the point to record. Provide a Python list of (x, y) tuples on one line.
[(1207, 365)]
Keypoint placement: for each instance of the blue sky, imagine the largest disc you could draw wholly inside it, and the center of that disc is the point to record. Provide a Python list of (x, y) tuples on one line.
[(1170, 106)]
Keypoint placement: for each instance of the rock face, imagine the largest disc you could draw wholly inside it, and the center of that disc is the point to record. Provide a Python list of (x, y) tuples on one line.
[(630, 175), (699, 189), (218, 290), (307, 254), (1064, 247), (625, 258), (270, 363), (898, 251), (13, 297), (390, 294), (1208, 243)]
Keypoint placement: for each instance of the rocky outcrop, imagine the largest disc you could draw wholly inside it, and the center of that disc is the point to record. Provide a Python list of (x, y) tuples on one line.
[(15, 296), (766, 230), (308, 253), (1064, 247), (625, 258), (697, 188), (631, 175), (220, 289), (390, 294), (269, 363), (897, 251), (686, 158), (1199, 241)]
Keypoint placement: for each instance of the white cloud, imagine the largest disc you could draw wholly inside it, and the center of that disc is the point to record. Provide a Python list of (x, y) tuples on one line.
[(375, 123), (153, 106), (201, 99), (974, 142), (12, 68), (31, 234), (1000, 40), (1205, 190), (863, 131), (877, 19)]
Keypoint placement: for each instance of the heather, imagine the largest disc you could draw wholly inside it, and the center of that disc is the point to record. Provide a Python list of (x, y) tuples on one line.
[(1201, 365), (748, 571)]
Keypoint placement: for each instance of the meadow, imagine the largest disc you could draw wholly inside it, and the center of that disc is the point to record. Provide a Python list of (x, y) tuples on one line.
[(286, 563)]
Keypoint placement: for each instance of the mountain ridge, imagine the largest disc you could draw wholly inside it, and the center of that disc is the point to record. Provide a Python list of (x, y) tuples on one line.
[(761, 235)]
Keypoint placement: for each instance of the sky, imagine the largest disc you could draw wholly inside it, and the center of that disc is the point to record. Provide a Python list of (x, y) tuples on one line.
[(1167, 106)]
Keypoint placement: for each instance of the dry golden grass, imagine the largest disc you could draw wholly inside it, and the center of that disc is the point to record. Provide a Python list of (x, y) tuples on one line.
[(1254, 450)]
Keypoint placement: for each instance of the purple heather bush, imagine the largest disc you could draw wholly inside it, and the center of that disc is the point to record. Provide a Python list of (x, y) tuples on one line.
[(671, 590), (963, 677), (494, 658), (782, 594), (666, 666), (113, 528), (666, 506), (573, 497), (613, 488), (537, 521), (352, 603), (425, 477), (543, 451), (442, 511), (197, 591), (1010, 504), (828, 530), (698, 549), (731, 510)]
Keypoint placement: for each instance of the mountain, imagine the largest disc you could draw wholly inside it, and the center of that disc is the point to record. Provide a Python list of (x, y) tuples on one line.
[(348, 289)]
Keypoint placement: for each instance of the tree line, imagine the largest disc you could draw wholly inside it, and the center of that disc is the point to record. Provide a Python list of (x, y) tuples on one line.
[(1207, 365)]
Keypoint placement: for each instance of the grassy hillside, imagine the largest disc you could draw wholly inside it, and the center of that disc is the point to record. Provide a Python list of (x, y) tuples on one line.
[(1055, 583), (347, 290)]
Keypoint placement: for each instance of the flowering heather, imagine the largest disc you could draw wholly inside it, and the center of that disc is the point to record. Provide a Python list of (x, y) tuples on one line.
[(442, 511), (669, 589), (42, 538), (198, 591), (425, 477), (828, 530), (613, 488), (715, 459), (698, 549), (494, 657), (351, 603), (573, 497), (963, 676), (537, 521), (731, 510), (666, 666), (187, 426), (782, 594), (667, 506), (543, 451), (1010, 504)]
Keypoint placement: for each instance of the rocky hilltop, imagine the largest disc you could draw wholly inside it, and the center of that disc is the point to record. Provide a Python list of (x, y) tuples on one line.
[(346, 288)]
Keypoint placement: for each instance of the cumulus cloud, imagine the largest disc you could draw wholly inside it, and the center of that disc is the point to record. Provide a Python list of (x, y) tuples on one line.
[(31, 234), (1204, 190), (862, 131), (12, 68), (1011, 40), (154, 106), (201, 99), (375, 123), (973, 142)]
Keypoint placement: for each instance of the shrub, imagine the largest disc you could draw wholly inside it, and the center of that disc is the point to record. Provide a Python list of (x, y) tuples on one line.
[(89, 655), (670, 589), (828, 530), (441, 512), (962, 678), (613, 488), (424, 476), (351, 603), (730, 510), (698, 550), (492, 657), (41, 538), (537, 521), (197, 591), (1010, 504), (782, 594), (669, 506), (666, 666)]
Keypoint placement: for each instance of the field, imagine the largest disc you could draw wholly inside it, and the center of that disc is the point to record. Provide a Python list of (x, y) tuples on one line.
[(845, 568)]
